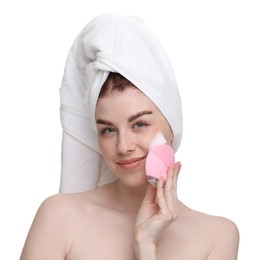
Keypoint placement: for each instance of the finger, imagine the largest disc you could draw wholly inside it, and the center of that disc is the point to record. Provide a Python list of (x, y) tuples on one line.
[(161, 200), (171, 188), (172, 177)]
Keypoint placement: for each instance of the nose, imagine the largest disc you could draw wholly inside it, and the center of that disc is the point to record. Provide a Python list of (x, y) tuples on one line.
[(125, 143)]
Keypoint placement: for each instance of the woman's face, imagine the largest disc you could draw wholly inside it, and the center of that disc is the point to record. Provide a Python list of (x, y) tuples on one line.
[(126, 123)]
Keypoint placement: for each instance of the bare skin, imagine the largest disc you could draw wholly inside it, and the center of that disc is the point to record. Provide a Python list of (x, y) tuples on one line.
[(129, 218)]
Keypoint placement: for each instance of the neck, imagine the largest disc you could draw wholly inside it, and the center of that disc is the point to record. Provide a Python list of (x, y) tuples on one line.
[(129, 198)]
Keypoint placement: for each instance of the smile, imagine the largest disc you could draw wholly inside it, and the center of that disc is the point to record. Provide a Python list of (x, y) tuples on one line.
[(132, 163)]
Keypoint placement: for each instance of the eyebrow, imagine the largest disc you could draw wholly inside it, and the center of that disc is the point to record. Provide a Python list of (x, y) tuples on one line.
[(130, 119), (139, 114), (103, 122)]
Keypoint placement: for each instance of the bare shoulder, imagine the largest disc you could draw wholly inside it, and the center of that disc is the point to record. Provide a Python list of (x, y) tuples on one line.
[(55, 209), (51, 229), (222, 235), (60, 203), (64, 208), (222, 226), (224, 238)]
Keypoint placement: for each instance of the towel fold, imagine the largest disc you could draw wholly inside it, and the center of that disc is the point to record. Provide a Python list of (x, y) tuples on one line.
[(109, 43)]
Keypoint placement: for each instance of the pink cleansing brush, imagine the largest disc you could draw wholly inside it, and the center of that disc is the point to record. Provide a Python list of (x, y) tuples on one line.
[(159, 159)]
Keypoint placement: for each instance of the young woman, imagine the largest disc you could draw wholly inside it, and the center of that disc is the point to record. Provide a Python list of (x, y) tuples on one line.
[(126, 218)]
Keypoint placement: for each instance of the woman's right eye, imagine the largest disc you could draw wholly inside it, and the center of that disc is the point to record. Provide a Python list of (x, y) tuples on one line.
[(107, 131)]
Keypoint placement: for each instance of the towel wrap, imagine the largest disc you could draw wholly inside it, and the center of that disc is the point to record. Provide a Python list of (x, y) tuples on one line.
[(109, 43)]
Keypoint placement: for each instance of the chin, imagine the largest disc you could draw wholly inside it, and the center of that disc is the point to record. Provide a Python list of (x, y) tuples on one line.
[(135, 182)]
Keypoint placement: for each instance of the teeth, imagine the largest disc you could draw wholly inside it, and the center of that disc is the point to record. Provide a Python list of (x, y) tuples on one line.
[(152, 180)]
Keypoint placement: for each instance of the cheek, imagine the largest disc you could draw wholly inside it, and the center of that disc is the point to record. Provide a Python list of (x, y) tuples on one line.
[(145, 141), (150, 137), (105, 148), (168, 135)]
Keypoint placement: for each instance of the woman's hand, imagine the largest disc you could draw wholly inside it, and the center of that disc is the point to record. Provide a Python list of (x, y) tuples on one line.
[(158, 209)]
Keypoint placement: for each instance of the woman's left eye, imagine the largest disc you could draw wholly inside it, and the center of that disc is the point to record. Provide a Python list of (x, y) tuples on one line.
[(139, 125)]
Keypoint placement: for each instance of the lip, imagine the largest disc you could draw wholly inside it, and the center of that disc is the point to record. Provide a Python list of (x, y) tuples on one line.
[(131, 163)]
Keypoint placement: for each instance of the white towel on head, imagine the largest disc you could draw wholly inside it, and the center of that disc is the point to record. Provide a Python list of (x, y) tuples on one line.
[(109, 43)]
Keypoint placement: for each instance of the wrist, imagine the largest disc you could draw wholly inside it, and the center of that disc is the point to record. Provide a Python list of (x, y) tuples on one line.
[(144, 247), (145, 250)]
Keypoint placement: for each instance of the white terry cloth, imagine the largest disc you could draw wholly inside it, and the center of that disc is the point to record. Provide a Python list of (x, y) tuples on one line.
[(109, 43)]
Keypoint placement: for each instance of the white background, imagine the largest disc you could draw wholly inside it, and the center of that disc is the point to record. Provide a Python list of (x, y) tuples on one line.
[(215, 49)]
